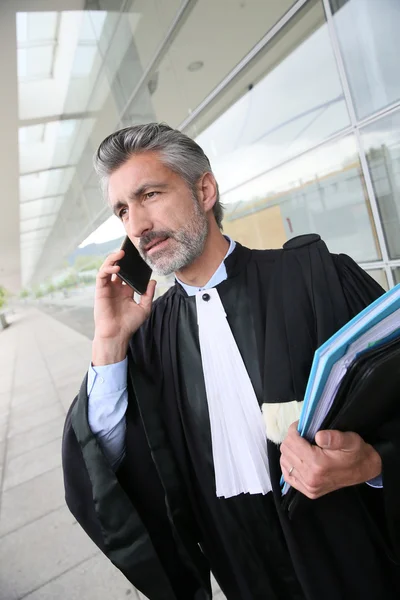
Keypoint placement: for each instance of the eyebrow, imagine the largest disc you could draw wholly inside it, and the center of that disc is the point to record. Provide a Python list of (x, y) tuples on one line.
[(135, 194)]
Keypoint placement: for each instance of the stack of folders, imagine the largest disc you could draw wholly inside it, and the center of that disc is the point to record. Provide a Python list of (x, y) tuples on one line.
[(354, 381)]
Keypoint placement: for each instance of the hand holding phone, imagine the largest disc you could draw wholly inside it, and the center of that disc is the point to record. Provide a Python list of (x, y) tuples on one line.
[(117, 315)]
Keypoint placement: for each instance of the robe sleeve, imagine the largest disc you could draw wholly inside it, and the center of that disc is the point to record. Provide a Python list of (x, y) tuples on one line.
[(115, 519), (383, 504), (359, 288)]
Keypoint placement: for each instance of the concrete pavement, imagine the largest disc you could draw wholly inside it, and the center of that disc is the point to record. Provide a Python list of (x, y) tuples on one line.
[(44, 554)]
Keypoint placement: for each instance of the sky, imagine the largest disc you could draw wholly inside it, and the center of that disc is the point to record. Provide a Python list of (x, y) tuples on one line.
[(109, 230)]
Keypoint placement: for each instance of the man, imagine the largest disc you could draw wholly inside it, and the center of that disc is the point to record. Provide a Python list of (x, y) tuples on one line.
[(166, 461)]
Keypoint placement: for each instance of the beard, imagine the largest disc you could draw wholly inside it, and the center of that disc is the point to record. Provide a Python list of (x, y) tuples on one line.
[(187, 244)]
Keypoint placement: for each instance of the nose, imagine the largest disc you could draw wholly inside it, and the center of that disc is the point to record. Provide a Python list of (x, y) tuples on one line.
[(139, 221)]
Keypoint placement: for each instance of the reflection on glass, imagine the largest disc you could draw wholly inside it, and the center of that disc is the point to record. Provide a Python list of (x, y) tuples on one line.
[(380, 277), (297, 103), (113, 52), (396, 275), (45, 183), (36, 38), (36, 208), (368, 32), (382, 146), (322, 191), (34, 223), (84, 66), (212, 41)]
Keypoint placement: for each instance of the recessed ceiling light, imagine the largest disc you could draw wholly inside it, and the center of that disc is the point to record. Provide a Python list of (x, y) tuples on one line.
[(196, 65)]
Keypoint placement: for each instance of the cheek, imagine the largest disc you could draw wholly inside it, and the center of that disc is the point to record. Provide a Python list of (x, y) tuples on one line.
[(172, 213), (168, 217)]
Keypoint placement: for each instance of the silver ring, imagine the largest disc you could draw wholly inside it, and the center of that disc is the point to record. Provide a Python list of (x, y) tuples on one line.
[(291, 470)]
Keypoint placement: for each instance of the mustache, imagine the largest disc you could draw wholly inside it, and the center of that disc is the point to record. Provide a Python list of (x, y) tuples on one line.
[(147, 238)]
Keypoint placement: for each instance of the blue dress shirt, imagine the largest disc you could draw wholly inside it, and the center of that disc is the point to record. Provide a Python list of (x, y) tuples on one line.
[(108, 394)]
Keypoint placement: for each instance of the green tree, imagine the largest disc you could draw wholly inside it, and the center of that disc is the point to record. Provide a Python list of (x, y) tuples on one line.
[(50, 288), (3, 296), (87, 263), (3, 301)]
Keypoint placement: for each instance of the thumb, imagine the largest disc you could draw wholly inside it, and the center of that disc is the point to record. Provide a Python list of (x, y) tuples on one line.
[(337, 440)]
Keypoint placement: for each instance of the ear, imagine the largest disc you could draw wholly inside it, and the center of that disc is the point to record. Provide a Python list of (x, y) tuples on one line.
[(208, 190)]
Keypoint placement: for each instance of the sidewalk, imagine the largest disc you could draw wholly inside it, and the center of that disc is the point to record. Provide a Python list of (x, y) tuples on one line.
[(44, 554)]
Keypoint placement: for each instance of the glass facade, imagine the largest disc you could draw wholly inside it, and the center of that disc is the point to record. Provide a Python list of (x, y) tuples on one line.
[(380, 276), (297, 105), (368, 36), (382, 147), (396, 275)]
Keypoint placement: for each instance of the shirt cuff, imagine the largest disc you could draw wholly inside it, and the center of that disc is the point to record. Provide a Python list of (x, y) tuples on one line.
[(109, 378), (107, 397)]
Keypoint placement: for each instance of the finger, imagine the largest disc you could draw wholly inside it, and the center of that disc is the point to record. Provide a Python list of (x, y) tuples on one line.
[(292, 458), (346, 441), (297, 484), (147, 298), (291, 476), (290, 470), (104, 275), (300, 478), (117, 282), (111, 258), (297, 444), (108, 270)]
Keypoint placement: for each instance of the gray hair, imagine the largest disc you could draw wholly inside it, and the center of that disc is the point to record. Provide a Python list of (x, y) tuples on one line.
[(178, 152)]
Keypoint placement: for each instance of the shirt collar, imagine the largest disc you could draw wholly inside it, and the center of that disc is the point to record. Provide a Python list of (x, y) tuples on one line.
[(219, 276)]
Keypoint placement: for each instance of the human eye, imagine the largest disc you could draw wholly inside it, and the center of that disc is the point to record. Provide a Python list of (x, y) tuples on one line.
[(150, 195), (122, 213)]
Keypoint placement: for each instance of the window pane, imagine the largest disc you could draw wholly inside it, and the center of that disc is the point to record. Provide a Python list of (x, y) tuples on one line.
[(297, 104), (368, 32), (37, 223), (92, 25), (39, 61), (322, 192), (31, 134), (84, 61), (22, 61), (45, 183), (123, 46), (380, 277), (31, 209), (396, 275), (22, 27), (42, 26), (212, 41), (382, 146)]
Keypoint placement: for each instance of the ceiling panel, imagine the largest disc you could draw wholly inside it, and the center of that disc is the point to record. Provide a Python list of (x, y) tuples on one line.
[(45, 183), (41, 206), (37, 223)]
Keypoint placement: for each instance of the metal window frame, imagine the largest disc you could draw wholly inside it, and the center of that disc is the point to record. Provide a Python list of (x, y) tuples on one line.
[(356, 124)]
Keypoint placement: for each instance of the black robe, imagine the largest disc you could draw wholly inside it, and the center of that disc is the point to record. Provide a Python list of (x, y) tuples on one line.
[(158, 518)]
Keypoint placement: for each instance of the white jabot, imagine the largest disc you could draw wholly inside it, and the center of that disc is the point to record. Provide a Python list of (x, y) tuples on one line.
[(238, 437)]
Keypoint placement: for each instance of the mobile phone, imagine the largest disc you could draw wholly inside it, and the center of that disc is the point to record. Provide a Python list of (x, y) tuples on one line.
[(133, 269)]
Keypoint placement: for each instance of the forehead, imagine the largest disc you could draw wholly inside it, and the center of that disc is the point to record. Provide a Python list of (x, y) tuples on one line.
[(138, 170)]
